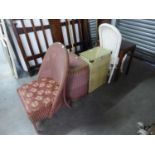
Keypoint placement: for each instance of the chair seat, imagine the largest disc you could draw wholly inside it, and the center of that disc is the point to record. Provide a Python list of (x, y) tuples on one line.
[(38, 94)]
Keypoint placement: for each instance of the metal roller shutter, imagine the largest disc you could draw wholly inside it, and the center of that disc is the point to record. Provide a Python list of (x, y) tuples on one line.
[(93, 32), (139, 31)]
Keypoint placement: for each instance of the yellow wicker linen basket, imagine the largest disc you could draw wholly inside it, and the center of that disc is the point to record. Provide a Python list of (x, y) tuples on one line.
[(98, 60)]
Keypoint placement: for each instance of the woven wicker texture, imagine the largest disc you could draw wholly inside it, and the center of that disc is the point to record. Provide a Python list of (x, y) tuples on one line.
[(78, 77), (55, 68), (98, 60)]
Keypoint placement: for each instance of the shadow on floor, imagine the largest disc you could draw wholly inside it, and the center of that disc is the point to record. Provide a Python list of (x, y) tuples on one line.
[(111, 109)]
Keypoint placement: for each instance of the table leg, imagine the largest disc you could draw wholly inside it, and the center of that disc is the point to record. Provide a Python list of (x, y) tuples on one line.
[(117, 71), (130, 59)]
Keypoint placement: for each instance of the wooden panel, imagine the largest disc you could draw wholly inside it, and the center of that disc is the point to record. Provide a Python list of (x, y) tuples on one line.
[(68, 34), (30, 29), (55, 27), (56, 30), (29, 58), (74, 34), (43, 29), (28, 40), (101, 21), (83, 34), (86, 34), (36, 35), (23, 52), (80, 33)]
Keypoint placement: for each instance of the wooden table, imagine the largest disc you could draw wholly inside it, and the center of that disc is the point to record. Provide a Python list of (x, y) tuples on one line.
[(126, 48)]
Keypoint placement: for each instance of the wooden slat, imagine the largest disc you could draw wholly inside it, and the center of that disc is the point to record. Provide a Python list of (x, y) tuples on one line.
[(64, 23), (30, 29), (36, 56), (80, 32), (35, 67), (20, 44), (85, 32), (40, 55), (76, 44), (42, 27), (74, 33), (28, 40), (56, 30), (36, 35), (68, 35)]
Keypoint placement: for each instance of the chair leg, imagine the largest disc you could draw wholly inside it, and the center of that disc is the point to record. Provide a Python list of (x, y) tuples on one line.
[(68, 104), (38, 126), (66, 101), (111, 74)]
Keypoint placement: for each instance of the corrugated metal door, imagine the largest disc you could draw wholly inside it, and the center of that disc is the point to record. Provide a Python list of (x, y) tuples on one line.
[(93, 31), (139, 31), (93, 27)]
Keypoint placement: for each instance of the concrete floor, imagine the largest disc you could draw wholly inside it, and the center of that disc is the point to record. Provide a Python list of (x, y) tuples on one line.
[(5, 70), (12, 115), (111, 109)]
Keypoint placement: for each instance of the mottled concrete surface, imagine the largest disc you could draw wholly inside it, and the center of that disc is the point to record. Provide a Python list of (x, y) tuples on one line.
[(111, 109), (12, 115)]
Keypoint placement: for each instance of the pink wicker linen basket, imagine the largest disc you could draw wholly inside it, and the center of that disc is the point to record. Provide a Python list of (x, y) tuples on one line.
[(78, 78)]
